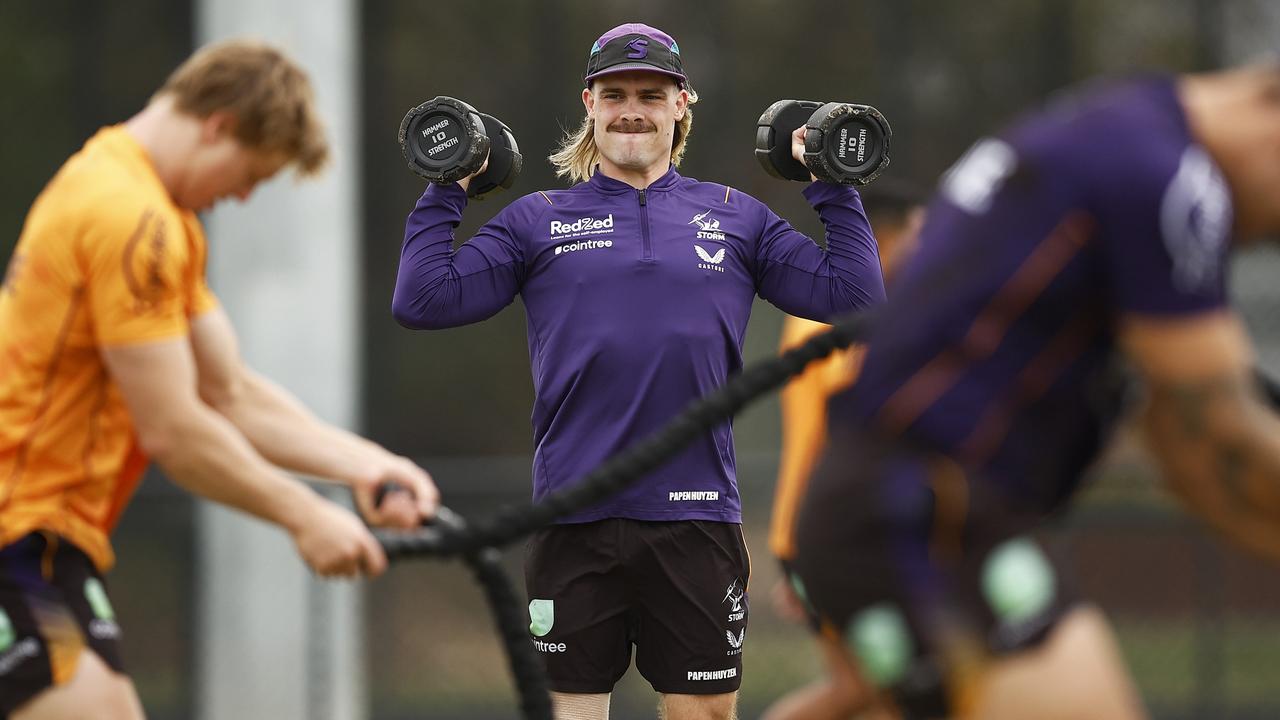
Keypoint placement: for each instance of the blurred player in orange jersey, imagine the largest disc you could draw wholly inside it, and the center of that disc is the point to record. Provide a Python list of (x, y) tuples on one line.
[(113, 350), (896, 212)]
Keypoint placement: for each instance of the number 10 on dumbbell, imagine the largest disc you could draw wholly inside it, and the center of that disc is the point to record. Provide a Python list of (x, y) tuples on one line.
[(445, 140), (442, 137)]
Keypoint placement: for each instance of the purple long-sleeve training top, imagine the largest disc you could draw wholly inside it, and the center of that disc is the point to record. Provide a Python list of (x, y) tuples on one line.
[(637, 303)]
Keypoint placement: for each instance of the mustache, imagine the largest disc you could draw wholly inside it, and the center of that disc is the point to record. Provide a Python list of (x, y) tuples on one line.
[(627, 126)]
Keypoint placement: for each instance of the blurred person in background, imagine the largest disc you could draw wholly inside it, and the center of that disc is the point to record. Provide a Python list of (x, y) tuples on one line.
[(1086, 243), (638, 284), (114, 351), (896, 212)]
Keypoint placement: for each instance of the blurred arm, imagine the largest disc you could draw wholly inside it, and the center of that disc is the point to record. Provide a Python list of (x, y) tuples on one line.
[(289, 435), (804, 427), (1208, 424), (199, 449), (202, 452)]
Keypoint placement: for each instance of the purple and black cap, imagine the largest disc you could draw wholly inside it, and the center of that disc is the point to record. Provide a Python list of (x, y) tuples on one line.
[(636, 46)]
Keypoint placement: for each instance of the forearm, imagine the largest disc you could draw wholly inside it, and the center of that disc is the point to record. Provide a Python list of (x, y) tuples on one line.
[(804, 434), (1219, 446), (203, 453), (804, 425), (287, 434)]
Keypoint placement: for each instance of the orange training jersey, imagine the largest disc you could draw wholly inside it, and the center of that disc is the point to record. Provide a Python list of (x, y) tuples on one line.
[(105, 258), (804, 426)]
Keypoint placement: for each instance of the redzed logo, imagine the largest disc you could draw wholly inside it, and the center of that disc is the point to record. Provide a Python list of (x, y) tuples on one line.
[(581, 225)]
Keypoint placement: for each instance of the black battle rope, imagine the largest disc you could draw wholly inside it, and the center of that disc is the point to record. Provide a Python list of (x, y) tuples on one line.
[(508, 615), (506, 607), (515, 521)]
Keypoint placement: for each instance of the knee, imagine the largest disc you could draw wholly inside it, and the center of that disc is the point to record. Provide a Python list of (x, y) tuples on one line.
[(851, 691), (94, 685), (700, 707), (580, 706)]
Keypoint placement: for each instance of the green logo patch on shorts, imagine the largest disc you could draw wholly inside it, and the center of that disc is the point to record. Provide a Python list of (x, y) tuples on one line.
[(882, 642), (97, 597), (802, 593), (542, 615), (1018, 581), (797, 586), (7, 633)]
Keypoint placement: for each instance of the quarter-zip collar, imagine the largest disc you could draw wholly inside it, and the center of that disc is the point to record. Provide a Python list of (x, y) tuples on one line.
[(611, 186)]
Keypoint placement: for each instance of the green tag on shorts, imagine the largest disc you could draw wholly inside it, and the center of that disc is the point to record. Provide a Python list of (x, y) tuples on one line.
[(6, 631), (882, 643), (1018, 580), (97, 597), (542, 615)]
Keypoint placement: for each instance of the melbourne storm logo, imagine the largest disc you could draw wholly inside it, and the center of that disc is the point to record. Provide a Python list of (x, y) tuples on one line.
[(1196, 219), (639, 49), (148, 267), (708, 229), (735, 595)]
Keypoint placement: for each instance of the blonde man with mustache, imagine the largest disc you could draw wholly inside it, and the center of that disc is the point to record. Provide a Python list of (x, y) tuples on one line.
[(638, 283)]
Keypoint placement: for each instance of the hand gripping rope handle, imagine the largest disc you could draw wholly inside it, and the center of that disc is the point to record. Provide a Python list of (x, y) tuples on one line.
[(449, 535)]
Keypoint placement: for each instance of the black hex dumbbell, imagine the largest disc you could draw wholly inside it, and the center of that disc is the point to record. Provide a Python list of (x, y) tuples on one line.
[(445, 140), (844, 143)]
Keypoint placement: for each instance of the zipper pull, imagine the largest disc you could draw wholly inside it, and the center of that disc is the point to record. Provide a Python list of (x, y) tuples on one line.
[(642, 196)]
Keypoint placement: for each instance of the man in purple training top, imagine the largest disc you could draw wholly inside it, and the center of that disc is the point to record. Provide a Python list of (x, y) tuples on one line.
[(638, 283), (1094, 232)]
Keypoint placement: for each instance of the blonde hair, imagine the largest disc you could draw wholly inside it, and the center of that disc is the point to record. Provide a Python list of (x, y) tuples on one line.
[(268, 94), (578, 155)]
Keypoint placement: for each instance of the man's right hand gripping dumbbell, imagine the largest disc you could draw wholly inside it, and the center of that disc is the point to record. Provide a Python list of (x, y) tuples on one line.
[(446, 140), (804, 140)]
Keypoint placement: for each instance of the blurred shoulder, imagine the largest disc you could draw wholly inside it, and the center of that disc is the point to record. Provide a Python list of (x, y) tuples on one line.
[(1115, 127)]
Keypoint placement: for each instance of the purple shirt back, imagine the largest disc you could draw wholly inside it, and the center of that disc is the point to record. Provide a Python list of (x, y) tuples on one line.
[(997, 348)]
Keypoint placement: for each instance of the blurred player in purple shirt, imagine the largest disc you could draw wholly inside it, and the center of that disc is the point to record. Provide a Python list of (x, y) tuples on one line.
[(1089, 237)]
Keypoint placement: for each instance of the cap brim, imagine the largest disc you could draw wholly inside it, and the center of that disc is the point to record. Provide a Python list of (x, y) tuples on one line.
[(626, 67)]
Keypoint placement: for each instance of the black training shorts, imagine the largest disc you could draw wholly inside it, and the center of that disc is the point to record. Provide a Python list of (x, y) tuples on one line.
[(914, 564), (676, 590), (53, 604)]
